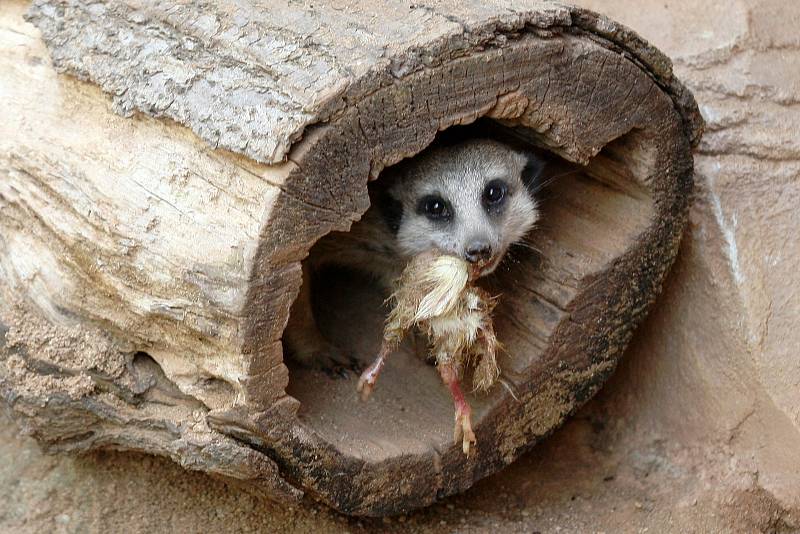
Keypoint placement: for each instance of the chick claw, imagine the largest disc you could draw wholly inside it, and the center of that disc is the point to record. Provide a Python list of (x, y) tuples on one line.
[(366, 383), (463, 430)]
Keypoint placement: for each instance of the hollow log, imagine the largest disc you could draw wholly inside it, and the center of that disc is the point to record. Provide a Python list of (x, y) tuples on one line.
[(166, 167)]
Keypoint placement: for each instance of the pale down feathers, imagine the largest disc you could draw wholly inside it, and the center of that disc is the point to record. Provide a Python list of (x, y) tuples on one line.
[(435, 293)]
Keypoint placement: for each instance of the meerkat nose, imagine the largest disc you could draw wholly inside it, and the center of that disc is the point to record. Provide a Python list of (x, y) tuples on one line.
[(478, 251)]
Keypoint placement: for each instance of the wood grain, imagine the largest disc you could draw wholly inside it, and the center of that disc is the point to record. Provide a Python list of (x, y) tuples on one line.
[(173, 214)]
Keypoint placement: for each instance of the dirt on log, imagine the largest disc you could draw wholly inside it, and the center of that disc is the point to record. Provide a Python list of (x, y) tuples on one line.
[(160, 248)]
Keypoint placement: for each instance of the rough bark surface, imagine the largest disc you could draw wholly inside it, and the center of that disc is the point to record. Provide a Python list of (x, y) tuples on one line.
[(192, 253)]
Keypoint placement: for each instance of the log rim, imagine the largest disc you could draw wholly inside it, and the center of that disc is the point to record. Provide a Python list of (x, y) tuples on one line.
[(659, 237)]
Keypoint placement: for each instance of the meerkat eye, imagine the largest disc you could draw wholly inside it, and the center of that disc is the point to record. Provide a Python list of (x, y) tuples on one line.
[(494, 192), (434, 208)]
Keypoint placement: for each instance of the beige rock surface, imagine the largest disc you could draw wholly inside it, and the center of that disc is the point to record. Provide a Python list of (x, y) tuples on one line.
[(717, 365), (698, 431)]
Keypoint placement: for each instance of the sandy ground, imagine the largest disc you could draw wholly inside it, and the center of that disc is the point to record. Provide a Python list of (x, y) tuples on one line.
[(583, 479)]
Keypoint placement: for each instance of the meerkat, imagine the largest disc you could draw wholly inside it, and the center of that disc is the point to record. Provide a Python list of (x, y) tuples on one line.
[(473, 199)]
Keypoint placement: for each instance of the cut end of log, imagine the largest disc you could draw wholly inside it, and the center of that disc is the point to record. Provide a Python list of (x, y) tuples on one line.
[(192, 255), (591, 217)]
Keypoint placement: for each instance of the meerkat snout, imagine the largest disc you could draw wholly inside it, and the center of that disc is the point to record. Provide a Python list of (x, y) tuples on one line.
[(478, 251)]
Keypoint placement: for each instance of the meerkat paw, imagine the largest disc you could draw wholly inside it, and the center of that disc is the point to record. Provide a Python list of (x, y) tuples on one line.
[(335, 362), (328, 358)]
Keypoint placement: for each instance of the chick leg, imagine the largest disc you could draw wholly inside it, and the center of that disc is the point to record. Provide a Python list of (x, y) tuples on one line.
[(463, 424)]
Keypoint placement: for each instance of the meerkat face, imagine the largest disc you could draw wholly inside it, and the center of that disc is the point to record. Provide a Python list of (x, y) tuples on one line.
[(470, 200)]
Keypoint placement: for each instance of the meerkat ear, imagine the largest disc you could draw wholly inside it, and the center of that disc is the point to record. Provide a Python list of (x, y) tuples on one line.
[(391, 210), (532, 171)]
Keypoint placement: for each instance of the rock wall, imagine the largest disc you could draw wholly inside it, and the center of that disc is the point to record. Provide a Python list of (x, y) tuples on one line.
[(717, 365)]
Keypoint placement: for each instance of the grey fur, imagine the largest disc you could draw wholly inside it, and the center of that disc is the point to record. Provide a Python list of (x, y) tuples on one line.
[(459, 175)]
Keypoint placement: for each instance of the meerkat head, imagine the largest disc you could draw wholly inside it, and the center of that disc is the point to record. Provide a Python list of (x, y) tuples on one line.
[(471, 200)]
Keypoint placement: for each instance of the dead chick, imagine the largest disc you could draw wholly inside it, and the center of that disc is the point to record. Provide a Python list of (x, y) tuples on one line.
[(436, 294)]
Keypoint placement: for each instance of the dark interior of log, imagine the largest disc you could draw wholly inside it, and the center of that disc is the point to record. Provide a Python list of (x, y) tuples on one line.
[(590, 215)]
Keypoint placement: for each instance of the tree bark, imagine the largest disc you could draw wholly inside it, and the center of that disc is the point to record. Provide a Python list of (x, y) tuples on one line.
[(252, 131)]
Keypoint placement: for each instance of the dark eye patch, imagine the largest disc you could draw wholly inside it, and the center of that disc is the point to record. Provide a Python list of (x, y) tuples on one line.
[(434, 207), (494, 194)]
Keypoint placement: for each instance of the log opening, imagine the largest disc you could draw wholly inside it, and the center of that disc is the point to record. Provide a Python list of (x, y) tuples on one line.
[(590, 215)]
